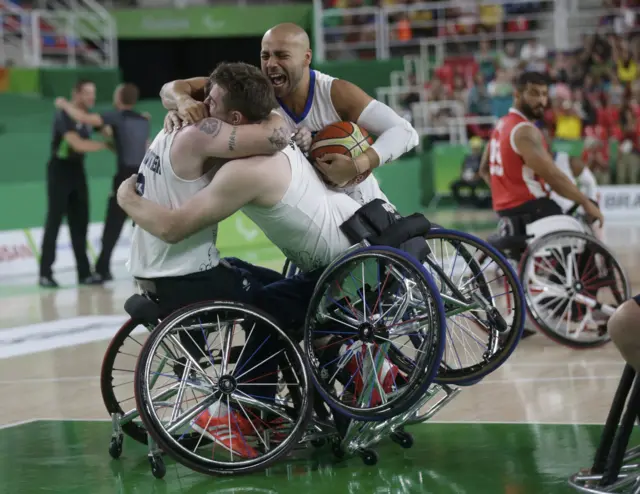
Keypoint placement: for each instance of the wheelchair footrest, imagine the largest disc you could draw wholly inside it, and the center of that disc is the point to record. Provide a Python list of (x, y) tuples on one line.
[(142, 309)]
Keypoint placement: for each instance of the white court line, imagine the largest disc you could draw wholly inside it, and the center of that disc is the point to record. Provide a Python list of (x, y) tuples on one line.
[(572, 363), (17, 424)]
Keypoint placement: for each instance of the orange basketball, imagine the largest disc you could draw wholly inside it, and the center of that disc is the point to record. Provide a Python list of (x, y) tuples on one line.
[(341, 138)]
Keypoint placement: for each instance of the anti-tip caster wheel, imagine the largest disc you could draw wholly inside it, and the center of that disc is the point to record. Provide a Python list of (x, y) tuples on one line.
[(115, 447), (157, 466), (404, 439), (318, 443), (369, 457)]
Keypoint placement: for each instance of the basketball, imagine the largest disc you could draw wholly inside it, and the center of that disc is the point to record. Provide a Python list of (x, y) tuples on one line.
[(341, 138)]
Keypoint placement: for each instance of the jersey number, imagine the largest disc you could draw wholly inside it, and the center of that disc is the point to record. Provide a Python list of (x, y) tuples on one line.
[(495, 158)]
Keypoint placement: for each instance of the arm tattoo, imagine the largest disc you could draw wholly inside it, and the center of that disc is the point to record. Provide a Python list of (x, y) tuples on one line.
[(232, 138), (210, 126), (279, 138)]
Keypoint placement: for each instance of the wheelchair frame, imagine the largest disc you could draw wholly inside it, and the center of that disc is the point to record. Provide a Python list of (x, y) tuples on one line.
[(360, 436)]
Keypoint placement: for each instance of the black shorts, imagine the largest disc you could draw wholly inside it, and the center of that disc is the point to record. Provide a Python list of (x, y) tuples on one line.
[(514, 221)]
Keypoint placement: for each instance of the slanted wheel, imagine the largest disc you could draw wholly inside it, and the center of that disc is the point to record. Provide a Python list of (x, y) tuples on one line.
[(115, 447), (232, 400), (158, 468), (369, 457), (402, 438), (372, 299), (572, 284)]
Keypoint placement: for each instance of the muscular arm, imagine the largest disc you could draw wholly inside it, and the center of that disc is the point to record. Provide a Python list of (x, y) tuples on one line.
[(213, 138), (483, 171), (234, 186), (396, 135), (175, 91), (528, 142)]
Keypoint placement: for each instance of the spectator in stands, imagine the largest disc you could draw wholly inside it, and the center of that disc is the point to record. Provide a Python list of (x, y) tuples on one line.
[(583, 108), (487, 59), (470, 180), (568, 121), (626, 67), (479, 98), (508, 60), (534, 55), (501, 86), (459, 91), (628, 169), (67, 191)]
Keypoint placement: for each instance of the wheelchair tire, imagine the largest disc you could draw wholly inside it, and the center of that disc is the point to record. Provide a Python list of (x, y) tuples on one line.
[(471, 374), (175, 448), (135, 430), (428, 359), (596, 246), (132, 429)]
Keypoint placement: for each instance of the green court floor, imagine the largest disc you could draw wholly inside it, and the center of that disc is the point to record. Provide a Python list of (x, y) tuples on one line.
[(71, 457)]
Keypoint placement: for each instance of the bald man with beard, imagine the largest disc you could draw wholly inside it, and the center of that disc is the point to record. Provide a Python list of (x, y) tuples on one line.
[(310, 100)]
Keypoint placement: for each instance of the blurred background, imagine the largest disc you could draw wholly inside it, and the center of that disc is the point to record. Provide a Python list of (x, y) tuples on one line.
[(447, 66)]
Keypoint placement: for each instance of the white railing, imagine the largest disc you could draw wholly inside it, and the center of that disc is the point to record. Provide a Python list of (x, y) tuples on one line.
[(332, 41), (16, 37), (89, 28), (455, 127), (25, 42)]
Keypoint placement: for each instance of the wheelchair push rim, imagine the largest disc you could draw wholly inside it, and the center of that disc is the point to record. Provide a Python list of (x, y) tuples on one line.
[(484, 305), (352, 324), (210, 400), (572, 284)]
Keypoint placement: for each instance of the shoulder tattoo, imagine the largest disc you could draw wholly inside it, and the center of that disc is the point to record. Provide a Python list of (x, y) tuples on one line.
[(279, 138), (210, 126)]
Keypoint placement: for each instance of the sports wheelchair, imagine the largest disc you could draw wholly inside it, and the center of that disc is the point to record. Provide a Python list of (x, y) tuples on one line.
[(376, 315), (572, 282), (615, 468)]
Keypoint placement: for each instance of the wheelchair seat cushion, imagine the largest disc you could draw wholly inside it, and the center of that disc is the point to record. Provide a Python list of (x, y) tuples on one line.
[(380, 224)]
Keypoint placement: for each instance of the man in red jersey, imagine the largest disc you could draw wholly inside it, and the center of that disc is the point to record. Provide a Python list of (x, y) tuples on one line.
[(518, 166)]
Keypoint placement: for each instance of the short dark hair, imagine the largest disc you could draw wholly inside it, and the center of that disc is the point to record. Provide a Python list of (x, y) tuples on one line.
[(129, 94), (80, 83), (247, 89), (538, 78)]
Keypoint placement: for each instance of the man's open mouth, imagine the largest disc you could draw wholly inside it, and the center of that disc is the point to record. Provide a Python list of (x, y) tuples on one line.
[(278, 79)]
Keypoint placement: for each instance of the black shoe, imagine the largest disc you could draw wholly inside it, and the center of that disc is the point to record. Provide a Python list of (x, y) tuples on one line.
[(103, 276), (527, 332), (48, 282), (90, 280)]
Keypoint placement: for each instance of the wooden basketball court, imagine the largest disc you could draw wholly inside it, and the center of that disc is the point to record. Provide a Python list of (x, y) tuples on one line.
[(524, 429)]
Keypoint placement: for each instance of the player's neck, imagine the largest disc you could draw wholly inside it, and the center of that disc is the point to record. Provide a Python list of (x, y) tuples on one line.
[(296, 100)]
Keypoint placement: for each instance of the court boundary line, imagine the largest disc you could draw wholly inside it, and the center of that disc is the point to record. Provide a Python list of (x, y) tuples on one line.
[(439, 422)]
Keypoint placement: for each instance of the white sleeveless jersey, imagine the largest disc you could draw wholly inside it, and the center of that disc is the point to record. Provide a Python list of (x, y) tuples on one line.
[(305, 223), (586, 181), (150, 257), (320, 112)]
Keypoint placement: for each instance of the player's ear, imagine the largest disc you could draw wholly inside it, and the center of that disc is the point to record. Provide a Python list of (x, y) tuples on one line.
[(307, 57), (236, 118)]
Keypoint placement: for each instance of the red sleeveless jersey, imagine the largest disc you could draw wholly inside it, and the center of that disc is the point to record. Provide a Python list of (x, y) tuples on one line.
[(512, 183)]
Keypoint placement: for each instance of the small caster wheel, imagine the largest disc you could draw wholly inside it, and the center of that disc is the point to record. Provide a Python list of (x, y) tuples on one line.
[(115, 447), (318, 443), (404, 439), (369, 457), (157, 467), (337, 450)]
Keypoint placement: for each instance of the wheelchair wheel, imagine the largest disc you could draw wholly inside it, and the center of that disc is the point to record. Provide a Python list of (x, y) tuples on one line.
[(253, 403), (484, 305), (372, 299), (572, 284), (117, 376)]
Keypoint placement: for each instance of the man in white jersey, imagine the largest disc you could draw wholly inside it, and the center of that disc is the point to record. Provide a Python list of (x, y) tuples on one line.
[(574, 168), (281, 193), (310, 99)]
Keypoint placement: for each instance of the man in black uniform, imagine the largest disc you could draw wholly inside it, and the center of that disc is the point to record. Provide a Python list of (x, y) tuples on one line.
[(131, 132), (67, 187)]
